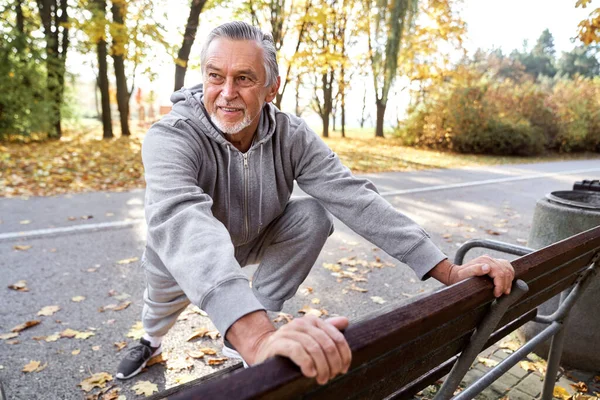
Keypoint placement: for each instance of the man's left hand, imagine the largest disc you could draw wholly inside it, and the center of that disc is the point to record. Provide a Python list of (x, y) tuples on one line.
[(501, 271)]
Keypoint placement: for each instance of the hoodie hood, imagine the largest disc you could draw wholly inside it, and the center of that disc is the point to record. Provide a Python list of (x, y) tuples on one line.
[(188, 102)]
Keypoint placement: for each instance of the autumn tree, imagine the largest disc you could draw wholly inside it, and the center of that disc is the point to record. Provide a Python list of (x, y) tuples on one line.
[(579, 61), (589, 28), (189, 36), (386, 33), (55, 18), (288, 22)]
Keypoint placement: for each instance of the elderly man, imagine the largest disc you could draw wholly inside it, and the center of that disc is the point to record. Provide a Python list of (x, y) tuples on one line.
[(220, 169)]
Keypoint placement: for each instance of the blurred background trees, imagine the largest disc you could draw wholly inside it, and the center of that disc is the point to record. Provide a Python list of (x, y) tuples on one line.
[(332, 54)]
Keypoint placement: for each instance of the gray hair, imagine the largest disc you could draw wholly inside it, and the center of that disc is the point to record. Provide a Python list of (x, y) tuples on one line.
[(238, 30)]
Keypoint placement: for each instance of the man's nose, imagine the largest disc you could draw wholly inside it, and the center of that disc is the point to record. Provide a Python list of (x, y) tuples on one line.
[(229, 91)]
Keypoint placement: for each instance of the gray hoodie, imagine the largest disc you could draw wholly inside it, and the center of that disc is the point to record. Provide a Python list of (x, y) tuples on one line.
[(203, 197)]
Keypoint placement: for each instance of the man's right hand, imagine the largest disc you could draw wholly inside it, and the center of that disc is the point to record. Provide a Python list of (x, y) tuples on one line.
[(316, 346)]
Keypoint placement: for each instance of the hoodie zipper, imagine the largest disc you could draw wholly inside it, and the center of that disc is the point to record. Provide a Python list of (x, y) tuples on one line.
[(246, 178)]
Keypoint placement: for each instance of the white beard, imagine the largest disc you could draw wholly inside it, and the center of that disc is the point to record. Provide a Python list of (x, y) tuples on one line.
[(229, 128)]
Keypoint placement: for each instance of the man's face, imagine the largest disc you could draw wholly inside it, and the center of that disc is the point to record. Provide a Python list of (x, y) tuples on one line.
[(234, 86)]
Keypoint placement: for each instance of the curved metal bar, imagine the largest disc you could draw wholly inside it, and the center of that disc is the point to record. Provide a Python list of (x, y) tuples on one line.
[(492, 245)]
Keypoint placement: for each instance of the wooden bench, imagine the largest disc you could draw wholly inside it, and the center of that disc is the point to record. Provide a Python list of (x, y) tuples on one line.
[(398, 353)]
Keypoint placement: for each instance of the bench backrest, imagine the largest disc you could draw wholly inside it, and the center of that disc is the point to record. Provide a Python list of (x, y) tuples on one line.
[(400, 352)]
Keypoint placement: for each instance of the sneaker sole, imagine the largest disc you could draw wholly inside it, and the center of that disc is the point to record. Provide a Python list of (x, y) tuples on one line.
[(137, 371)]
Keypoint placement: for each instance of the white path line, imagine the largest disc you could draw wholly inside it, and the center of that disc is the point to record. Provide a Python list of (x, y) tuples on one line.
[(125, 224)]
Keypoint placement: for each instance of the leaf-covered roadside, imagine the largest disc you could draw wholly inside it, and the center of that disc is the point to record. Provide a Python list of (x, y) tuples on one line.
[(80, 162)]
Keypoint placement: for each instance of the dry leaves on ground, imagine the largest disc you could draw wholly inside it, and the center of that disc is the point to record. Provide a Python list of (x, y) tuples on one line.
[(96, 380), (34, 366), (48, 310), (21, 247), (196, 354), (180, 363), (377, 299), (78, 299), (120, 345), (159, 359), (185, 378), (127, 261), (580, 387), (145, 387), (308, 310), (136, 331), (10, 335), (488, 362), (75, 352), (217, 361), (281, 317), (20, 286), (208, 351), (25, 325)]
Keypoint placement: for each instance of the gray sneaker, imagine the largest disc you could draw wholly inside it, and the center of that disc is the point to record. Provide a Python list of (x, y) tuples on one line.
[(136, 359)]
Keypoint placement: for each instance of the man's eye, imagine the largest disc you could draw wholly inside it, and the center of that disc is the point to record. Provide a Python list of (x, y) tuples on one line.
[(243, 78)]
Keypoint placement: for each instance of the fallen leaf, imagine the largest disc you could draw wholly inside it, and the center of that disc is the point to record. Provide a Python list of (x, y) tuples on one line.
[(120, 345), (580, 387), (122, 306), (561, 393), (109, 214), (308, 310), (522, 241), (185, 378), (25, 222), (72, 218), (332, 267), (159, 359), (136, 331), (180, 363), (48, 310), (25, 325), (597, 378), (6, 336), (195, 354), (377, 299), (307, 290), (87, 216), (20, 286), (198, 333), (96, 348), (488, 362), (357, 289), (69, 333), (510, 345), (127, 261), (213, 334), (145, 387), (113, 394), (122, 296), (21, 247), (52, 338), (447, 235), (75, 352), (208, 351), (315, 301), (77, 299), (31, 366), (96, 380), (217, 361), (492, 232), (283, 317), (580, 396), (13, 342), (84, 335)]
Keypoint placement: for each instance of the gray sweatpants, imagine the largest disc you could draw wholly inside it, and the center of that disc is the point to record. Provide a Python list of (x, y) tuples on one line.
[(286, 250)]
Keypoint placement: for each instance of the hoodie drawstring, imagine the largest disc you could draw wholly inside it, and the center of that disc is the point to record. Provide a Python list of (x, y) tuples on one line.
[(260, 178), (228, 187)]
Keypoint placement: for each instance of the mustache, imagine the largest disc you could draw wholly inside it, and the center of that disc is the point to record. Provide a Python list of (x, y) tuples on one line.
[(231, 105)]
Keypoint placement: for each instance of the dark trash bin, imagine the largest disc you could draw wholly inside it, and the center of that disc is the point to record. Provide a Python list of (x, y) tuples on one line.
[(558, 216)]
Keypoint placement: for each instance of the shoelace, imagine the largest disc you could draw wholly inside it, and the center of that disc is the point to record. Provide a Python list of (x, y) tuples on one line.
[(137, 352)]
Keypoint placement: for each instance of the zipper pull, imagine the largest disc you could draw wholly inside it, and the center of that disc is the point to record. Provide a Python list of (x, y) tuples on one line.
[(245, 160)]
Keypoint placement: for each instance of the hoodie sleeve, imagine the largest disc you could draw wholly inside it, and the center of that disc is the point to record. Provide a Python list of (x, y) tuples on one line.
[(356, 202), (192, 244)]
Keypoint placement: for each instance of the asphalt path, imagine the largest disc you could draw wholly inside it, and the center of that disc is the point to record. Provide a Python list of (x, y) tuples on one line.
[(77, 240)]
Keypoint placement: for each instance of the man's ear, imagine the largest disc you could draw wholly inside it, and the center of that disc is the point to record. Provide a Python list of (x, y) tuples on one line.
[(273, 90)]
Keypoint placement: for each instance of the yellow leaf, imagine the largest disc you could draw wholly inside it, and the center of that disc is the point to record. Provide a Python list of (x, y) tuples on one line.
[(185, 378), (357, 289), (315, 301), (20, 247), (96, 380), (136, 331), (20, 286), (31, 366), (48, 310), (84, 335), (213, 334), (25, 222), (198, 333), (510, 345), (487, 361), (561, 393), (283, 317), (208, 351), (377, 299), (6, 336), (75, 352), (159, 359), (217, 361), (127, 260), (180, 363), (120, 345), (122, 306), (69, 333), (77, 299), (308, 310), (307, 290), (580, 387), (52, 338), (25, 325), (332, 267), (195, 354)]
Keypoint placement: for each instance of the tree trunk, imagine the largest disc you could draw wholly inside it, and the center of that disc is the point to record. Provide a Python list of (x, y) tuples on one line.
[(380, 114), (188, 40), (364, 107), (103, 85), (343, 106), (327, 80), (118, 57), (53, 14), (297, 96), (20, 17)]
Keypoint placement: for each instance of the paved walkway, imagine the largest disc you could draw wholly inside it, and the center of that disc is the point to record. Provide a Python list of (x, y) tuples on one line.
[(521, 383)]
